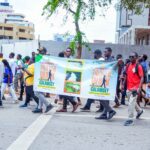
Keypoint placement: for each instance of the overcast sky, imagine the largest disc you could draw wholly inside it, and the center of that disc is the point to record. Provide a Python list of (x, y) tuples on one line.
[(102, 28)]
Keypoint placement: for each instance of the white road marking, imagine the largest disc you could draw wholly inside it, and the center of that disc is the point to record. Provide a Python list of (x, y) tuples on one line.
[(29, 135), (92, 116)]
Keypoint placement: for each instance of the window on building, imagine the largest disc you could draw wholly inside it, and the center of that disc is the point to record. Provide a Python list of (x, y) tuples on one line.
[(21, 38), (21, 30), (6, 37), (1, 27), (8, 28), (10, 37)]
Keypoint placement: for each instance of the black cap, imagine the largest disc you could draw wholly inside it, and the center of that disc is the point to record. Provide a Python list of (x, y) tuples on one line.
[(98, 52)]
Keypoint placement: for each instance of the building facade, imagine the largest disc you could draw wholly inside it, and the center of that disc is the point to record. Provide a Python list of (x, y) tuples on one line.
[(132, 29), (13, 25)]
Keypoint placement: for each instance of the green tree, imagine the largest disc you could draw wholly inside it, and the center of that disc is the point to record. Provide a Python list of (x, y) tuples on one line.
[(80, 10), (136, 5)]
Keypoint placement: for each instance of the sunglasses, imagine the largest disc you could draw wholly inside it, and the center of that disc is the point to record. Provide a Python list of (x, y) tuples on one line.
[(68, 51), (131, 56)]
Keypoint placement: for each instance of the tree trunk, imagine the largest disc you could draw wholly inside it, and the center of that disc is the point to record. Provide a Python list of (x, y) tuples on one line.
[(79, 51), (78, 32)]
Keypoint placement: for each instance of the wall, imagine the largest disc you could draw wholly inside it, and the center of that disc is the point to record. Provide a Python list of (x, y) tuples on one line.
[(55, 47), (25, 48)]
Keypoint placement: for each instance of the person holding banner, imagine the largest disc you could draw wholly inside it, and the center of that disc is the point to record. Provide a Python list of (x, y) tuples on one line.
[(40, 95), (29, 81), (68, 54), (108, 111), (64, 97), (98, 56)]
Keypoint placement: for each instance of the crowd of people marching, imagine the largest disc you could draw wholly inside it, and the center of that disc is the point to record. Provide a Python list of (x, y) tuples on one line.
[(133, 84)]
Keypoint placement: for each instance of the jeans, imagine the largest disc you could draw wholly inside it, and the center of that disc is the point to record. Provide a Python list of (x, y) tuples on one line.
[(107, 107), (17, 77), (132, 105), (70, 99), (88, 103), (123, 97), (42, 99), (22, 89), (11, 89), (30, 94)]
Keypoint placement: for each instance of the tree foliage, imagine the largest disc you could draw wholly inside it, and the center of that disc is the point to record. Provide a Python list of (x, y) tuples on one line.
[(80, 10), (137, 5)]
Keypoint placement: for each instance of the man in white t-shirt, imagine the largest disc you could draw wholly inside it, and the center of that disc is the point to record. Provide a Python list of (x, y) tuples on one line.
[(19, 75), (12, 63)]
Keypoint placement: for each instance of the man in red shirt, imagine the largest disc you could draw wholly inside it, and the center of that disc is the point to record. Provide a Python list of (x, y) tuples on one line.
[(134, 80)]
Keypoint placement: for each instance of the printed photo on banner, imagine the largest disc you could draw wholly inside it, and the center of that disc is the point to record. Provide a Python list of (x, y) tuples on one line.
[(100, 81), (47, 75), (73, 82)]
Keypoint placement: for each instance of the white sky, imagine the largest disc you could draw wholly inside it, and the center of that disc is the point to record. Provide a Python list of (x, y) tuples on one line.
[(102, 28)]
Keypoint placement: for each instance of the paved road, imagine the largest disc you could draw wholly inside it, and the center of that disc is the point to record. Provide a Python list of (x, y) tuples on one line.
[(22, 130)]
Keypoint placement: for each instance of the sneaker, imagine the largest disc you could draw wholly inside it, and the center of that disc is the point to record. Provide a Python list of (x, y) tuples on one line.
[(102, 117), (111, 114), (139, 114), (37, 110), (129, 123), (48, 108), (84, 109), (24, 105), (99, 110)]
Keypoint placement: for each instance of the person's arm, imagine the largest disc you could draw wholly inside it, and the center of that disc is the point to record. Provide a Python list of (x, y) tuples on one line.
[(140, 70), (30, 74)]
